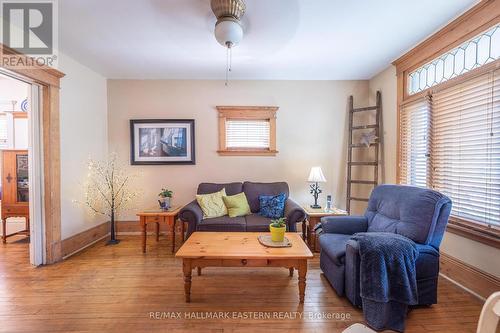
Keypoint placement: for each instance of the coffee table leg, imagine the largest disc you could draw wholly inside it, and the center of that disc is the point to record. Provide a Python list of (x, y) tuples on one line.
[(199, 271), (302, 279), (186, 267), (291, 271)]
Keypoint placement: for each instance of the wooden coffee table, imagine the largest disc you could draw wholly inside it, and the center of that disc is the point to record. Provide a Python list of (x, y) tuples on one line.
[(241, 249)]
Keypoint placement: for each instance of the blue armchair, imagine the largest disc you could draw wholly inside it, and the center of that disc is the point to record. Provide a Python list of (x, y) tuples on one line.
[(417, 213)]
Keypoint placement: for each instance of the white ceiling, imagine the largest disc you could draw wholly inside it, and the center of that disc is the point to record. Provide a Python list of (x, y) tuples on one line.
[(284, 39)]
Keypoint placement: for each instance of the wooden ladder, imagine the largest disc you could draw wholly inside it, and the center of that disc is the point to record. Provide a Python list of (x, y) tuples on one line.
[(376, 144)]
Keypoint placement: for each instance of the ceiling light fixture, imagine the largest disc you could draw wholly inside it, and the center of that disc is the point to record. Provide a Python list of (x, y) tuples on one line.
[(228, 29)]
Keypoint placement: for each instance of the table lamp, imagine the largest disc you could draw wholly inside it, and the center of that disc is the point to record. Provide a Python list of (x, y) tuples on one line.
[(316, 176)]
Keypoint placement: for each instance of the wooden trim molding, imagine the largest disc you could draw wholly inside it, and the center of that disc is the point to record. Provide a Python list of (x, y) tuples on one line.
[(49, 79), (247, 113), (477, 19), (80, 241), (470, 277), (480, 233), (20, 115)]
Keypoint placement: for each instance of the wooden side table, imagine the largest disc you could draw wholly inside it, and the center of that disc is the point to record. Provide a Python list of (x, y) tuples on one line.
[(313, 217), (159, 216)]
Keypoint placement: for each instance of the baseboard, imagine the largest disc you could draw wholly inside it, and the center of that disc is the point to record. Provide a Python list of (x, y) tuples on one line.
[(469, 277), (80, 241)]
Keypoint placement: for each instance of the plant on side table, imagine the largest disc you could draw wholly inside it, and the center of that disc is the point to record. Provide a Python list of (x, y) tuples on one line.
[(278, 228), (165, 198)]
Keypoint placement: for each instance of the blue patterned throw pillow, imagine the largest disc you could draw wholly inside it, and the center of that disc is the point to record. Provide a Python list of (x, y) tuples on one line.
[(272, 206)]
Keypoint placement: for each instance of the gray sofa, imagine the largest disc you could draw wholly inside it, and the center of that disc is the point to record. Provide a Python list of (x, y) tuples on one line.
[(193, 215)]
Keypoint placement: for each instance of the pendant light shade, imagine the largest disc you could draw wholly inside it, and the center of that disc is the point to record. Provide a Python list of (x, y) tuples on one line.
[(228, 32)]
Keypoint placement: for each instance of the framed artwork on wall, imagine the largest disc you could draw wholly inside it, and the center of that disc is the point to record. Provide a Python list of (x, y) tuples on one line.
[(162, 141)]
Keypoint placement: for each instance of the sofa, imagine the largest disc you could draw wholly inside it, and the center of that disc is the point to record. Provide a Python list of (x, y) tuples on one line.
[(416, 213), (193, 215)]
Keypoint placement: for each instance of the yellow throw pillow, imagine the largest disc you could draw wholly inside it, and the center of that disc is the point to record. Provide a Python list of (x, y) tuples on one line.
[(212, 204), (237, 205)]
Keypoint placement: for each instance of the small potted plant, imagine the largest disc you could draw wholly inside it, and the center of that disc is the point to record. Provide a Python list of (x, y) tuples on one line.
[(278, 228), (164, 198)]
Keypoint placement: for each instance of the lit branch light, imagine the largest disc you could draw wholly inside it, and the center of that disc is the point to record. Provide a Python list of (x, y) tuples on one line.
[(108, 190)]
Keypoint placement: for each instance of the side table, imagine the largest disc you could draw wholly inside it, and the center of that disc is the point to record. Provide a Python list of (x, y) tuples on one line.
[(159, 216), (313, 216)]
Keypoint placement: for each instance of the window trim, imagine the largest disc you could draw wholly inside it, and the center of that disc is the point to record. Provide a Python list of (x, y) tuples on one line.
[(267, 113), (474, 21)]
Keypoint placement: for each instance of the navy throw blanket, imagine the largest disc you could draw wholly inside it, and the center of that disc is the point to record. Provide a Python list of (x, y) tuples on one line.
[(388, 278)]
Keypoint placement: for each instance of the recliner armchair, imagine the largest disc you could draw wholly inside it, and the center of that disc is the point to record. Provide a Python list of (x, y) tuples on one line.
[(417, 213)]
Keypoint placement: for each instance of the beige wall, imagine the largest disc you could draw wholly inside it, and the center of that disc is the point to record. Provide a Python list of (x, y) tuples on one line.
[(83, 135), (385, 82), (311, 127), (474, 253)]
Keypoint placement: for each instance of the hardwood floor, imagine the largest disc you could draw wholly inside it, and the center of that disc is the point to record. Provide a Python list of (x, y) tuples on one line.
[(115, 289)]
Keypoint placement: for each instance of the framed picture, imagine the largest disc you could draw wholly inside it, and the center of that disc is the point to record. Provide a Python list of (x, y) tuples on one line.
[(162, 141)]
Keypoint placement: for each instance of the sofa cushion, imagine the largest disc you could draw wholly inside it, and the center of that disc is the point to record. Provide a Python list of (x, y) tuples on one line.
[(272, 206), (254, 190), (237, 205), (231, 188), (333, 245), (405, 210), (256, 222), (223, 223), (212, 204)]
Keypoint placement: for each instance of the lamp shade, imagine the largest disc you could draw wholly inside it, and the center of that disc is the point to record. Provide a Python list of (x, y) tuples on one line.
[(228, 32), (316, 175)]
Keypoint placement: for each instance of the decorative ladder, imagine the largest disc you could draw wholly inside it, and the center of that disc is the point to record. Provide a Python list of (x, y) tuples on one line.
[(350, 163)]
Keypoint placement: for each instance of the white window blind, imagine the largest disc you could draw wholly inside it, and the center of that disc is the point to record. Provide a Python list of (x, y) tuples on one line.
[(415, 128), (466, 147), (3, 131), (247, 134)]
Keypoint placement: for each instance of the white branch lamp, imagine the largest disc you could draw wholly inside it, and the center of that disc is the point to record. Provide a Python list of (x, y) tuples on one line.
[(316, 176)]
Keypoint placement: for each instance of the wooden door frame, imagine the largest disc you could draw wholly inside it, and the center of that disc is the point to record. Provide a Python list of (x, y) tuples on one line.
[(49, 80)]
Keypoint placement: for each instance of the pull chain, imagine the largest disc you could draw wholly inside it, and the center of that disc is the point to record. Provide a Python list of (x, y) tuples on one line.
[(229, 61), (227, 66)]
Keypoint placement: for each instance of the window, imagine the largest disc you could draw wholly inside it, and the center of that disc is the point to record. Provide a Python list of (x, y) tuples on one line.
[(415, 143), (252, 134), (455, 71), (472, 54), (247, 130), (466, 147), (450, 141)]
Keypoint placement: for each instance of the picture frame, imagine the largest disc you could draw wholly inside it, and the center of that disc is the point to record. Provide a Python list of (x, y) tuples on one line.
[(162, 141)]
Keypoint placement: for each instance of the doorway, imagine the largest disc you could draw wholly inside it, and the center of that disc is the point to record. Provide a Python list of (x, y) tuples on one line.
[(20, 168)]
